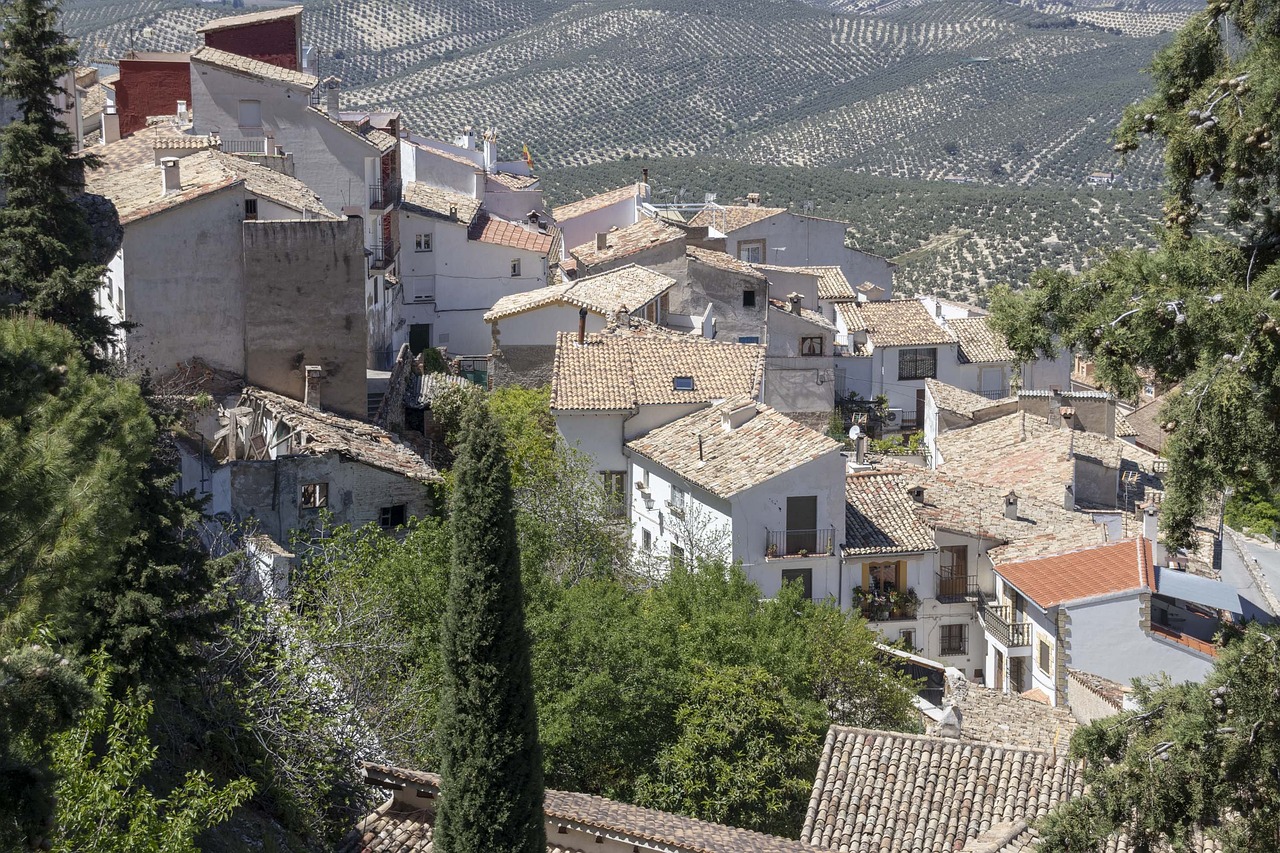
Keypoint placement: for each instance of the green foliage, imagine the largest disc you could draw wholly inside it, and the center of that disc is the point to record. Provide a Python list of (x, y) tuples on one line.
[(45, 243), (490, 765), (894, 444), (103, 804), (1195, 758), (1252, 510), (744, 755), (1200, 311)]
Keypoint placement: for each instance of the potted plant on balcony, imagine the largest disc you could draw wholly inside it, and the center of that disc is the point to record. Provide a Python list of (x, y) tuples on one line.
[(771, 550), (910, 601)]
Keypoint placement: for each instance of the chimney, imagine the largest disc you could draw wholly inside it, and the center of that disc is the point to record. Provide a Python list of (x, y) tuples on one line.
[(733, 418), (311, 389), (490, 150), (623, 315), (937, 307), (215, 139), (916, 492), (1151, 532), (1068, 498), (172, 176), (582, 326), (182, 111), (949, 725), (860, 450), (331, 85), (110, 124), (1011, 505), (644, 176), (753, 199), (602, 241), (795, 299), (271, 143)]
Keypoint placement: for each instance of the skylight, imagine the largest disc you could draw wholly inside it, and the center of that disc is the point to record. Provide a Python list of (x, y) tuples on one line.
[(682, 383)]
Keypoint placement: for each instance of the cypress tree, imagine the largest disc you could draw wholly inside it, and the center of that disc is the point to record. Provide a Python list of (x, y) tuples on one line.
[(45, 241), (491, 764)]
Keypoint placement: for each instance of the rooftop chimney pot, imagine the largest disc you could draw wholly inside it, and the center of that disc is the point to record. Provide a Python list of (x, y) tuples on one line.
[(602, 241), (582, 326), (1011, 505), (753, 199), (171, 175), (110, 124)]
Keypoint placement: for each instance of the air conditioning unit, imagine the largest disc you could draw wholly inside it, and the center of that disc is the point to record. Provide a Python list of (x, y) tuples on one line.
[(893, 418)]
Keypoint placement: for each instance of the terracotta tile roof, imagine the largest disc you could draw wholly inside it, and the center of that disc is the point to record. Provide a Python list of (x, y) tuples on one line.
[(1013, 836), (251, 18), (628, 241), (1124, 429), (622, 368), (138, 191), (602, 294), (832, 283), (979, 343), (253, 68), (437, 202), (960, 401), (880, 516), (515, 182), (902, 323), (852, 316), (93, 100), (487, 229), (723, 261), (596, 202), (732, 217), (814, 317), (1082, 573), (959, 505), (398, 828), (1148, 426), (324, 432), (705, 451), (139, 149), (1187, 640), (878, 791)]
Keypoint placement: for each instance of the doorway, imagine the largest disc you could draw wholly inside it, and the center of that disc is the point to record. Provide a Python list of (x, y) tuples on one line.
[(419, 338)]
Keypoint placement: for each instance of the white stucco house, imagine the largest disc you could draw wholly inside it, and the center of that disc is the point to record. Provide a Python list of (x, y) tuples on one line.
[(741, 482), (580, 221)]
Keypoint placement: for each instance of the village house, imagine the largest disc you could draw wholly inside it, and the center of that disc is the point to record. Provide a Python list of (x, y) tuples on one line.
[(574, 823), (580, 221), (277, 467), (743, 483), (523, 326), (458, 261), (217, 258), (775, 235)]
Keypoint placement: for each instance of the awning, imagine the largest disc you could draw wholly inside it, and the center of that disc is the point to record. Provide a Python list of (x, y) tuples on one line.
[(1198, 590)]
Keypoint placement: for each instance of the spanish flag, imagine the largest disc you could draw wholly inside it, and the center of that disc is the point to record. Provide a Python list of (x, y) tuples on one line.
[(528, 158)]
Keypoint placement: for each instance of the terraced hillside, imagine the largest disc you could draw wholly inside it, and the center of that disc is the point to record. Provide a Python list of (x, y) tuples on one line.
[(980, 91), (953, 240)]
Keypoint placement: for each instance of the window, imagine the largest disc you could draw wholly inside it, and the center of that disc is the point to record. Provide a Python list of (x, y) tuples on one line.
[(955, 639), (918, 363), (749, 339), (748, 299), (515, 268), (422, 243), (615, 483), (250, 208), (953, 572), (751, 251), (908, 638), (1044, 657), (315, 495), (677, 557), (883, 576), (802, 576), (811, 346), (679, 501), (682, 383), (250, 114), (646, 540), (391, 517)]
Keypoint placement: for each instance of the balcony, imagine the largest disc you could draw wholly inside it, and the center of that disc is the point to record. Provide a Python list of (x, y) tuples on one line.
[(998, 619), (383, 196), (953, 590), (800, 543), (998, 394), (886, 605), (382, 256)]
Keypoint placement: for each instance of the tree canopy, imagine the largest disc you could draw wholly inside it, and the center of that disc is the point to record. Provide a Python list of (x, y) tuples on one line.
[(1200, 312)]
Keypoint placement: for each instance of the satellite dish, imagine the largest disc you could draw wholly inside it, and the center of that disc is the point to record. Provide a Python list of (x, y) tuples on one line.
[(854, 432)]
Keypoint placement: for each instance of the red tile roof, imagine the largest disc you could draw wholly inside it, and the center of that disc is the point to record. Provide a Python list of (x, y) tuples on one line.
[(490, 230), (1084, 573)]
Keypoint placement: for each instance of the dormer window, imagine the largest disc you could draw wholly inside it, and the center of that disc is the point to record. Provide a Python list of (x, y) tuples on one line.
[(682, 383)]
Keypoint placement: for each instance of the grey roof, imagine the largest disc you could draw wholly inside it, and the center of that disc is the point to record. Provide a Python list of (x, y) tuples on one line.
[(1198, 590)]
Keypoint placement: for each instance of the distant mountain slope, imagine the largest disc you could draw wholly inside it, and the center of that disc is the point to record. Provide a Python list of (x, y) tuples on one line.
[(975, 90)]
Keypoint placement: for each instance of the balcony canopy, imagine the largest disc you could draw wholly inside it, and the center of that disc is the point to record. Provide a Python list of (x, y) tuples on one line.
[(1197, 590)]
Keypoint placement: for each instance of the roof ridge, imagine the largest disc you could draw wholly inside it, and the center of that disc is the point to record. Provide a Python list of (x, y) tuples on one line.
[(926, 738)]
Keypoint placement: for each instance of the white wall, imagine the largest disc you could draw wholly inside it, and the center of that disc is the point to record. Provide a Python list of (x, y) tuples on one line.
[(1106, 639), (421, 161), (813, 242), (539, 326), (583, 229), (599, 436)]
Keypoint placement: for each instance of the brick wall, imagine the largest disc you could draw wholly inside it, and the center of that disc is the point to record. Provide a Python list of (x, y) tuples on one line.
[(150, 88), (275, 42)]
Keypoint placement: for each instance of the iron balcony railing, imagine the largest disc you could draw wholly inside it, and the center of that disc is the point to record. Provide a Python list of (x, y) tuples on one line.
[(999, 621), (382, 196), (800, 543), (996, 395), (383, 256), (952, 589)]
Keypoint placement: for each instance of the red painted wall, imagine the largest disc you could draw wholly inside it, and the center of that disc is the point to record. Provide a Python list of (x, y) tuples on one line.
[(150, 88), (275, 42)]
